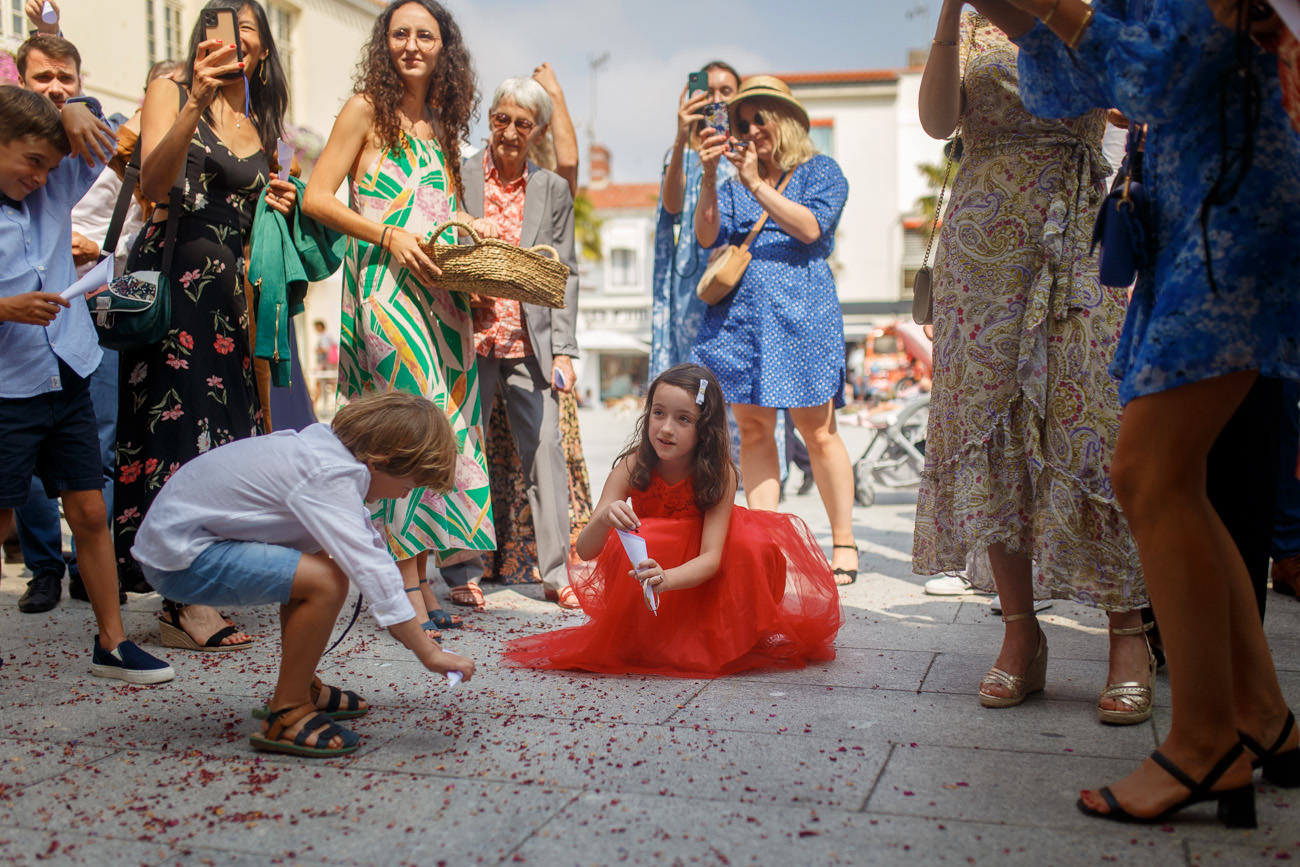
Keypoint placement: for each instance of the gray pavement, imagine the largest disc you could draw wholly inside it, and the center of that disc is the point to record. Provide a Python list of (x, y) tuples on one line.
[(883, 756)]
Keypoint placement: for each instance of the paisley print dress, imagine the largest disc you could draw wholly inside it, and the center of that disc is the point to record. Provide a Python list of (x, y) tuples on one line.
[(1024, 415), (396, 334)]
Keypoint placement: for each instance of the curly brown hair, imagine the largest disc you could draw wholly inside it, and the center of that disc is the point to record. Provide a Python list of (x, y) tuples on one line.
[(453, 88), (712, 468)]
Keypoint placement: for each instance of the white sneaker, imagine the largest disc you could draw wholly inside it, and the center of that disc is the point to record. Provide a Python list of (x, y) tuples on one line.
[(1039, 605), (948, 585)]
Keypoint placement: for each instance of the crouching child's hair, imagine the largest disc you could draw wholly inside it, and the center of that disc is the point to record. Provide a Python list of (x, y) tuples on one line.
[(402, 435)]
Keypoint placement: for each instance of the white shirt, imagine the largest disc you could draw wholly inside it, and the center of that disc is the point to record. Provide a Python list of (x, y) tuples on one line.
[(299, 490), (91, 216)]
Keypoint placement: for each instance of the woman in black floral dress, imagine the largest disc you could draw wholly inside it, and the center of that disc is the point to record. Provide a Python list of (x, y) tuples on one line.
[(195, 390)]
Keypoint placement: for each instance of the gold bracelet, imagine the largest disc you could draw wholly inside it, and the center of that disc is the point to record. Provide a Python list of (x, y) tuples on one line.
[(1050, 12), (1083, 28)]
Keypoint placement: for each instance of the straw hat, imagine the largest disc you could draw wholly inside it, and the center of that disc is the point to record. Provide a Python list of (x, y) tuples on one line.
[(769, 87)]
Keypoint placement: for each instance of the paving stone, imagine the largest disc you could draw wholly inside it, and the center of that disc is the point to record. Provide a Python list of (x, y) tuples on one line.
[(903, 717), (28, 846), (664, 760), (290, 809), (1040, 790), (635, 829)]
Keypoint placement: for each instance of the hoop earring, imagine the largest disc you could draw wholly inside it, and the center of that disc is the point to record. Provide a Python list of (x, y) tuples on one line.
[(261, 71)]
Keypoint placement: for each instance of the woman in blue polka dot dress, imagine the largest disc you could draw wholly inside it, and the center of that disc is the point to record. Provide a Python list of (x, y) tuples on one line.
[(778, 339)]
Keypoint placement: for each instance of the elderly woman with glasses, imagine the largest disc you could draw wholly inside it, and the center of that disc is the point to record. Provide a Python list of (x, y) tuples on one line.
[(525, 350), (777, 340)]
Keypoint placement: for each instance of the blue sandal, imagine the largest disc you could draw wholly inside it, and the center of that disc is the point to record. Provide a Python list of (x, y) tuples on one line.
[(438, 619)]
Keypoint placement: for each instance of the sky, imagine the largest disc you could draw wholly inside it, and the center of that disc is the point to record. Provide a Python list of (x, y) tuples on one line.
[(653, 44)]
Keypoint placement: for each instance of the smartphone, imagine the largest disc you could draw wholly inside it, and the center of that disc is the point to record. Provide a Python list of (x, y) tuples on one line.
[(697, 82), (221, 24), (717, 116)]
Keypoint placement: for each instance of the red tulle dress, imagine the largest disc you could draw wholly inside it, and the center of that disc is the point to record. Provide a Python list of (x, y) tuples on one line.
[(772, 604)]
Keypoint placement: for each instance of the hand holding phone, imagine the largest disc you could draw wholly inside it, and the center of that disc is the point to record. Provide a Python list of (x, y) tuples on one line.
[(220, 24)]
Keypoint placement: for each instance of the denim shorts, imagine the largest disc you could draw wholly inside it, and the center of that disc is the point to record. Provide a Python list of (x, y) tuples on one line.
[(52, 435), (230, 573)]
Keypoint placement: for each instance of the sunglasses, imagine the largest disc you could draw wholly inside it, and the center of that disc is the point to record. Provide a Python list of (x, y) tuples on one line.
[(742, 125), (501, 120)]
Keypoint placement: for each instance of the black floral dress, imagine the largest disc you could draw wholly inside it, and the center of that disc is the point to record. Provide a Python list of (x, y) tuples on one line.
[(195, 390)]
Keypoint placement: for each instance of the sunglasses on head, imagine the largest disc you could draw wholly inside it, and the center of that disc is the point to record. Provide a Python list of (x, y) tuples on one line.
[(742, 125), (501, 120)]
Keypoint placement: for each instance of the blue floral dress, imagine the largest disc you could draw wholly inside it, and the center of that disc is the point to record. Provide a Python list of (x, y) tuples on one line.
[(1172, 70), (679, 262), (778, 339)]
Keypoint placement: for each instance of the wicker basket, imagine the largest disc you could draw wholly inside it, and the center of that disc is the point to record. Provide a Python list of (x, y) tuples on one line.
[(491, 267)]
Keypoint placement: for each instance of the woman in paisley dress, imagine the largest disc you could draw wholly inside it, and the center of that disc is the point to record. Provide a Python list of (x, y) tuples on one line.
[(1023, 414), (195, 391), (1216, 310), (398, 141)]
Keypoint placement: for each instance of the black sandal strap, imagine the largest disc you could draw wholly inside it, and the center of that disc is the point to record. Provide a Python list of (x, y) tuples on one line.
[(314, 726), (1258, 749), (1207, 782), (221, 635)]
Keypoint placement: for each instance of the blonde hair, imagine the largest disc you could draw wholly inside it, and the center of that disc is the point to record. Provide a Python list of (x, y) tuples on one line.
[(402, 435), (791, 144)]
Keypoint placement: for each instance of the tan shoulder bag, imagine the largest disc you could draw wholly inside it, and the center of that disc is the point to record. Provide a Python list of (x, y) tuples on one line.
[(726, 269)]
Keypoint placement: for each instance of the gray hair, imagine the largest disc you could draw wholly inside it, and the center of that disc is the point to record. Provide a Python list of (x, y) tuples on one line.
[(528, 95)]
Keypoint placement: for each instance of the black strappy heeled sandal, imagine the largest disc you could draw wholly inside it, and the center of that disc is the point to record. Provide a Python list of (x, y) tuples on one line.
[(1280, 769), (1236, 806), (851, 574)]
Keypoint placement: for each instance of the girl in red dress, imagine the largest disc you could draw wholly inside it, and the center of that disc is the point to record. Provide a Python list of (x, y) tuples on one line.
[(735, 589)]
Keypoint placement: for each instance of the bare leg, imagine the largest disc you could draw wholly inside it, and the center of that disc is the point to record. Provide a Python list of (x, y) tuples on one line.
[(760, 465), (318, 592), (88, 521), (1013, 576), (1198, 584), (833, 473)]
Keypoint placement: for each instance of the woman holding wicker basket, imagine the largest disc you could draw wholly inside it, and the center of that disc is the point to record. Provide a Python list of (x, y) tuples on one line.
[(397, 141)]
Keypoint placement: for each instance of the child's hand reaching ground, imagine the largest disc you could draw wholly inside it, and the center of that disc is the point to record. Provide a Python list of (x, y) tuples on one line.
[(445, 662)]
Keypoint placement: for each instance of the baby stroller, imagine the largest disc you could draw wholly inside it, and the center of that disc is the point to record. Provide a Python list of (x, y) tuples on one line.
[(896, 453)]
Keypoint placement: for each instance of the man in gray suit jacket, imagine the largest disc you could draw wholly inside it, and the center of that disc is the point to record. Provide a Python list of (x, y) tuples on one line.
[(525, 348)]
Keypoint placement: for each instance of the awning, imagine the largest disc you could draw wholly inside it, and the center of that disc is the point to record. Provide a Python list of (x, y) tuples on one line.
[(604, 340)]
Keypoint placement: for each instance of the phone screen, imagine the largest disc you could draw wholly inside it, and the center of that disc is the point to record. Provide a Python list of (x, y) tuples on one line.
[(220, 24)]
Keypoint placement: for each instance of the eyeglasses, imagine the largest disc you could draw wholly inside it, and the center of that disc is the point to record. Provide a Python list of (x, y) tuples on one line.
[(423, 38), (742, 125), (501, 120)]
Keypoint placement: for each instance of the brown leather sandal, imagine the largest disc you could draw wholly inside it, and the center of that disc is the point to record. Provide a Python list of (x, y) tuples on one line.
[(275, 739)]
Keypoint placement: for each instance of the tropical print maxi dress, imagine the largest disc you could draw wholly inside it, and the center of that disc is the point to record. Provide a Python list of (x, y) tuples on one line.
[(195, 390), (1024, 413), (396, 334)]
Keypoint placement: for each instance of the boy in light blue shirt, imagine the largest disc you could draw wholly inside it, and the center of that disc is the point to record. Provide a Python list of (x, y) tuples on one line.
[(48, 348)]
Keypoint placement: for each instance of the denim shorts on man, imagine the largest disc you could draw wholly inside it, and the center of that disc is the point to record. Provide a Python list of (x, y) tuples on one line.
[(230, 573), (52, 435)]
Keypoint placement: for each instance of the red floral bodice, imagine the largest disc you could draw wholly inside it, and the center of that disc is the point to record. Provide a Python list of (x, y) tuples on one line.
[(662, 500)]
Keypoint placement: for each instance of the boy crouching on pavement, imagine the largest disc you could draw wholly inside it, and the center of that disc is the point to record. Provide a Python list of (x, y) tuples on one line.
[(282, 518), (48, 349)]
